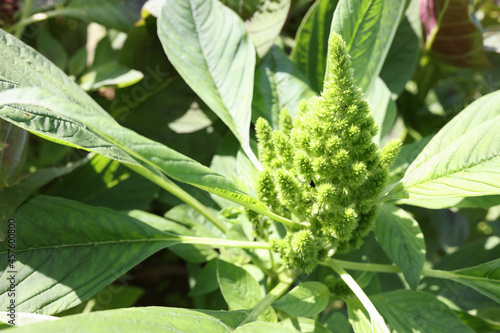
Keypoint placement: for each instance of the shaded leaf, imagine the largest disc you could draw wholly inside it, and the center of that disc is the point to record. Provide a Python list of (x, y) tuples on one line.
[(311, 48), (402, 240), (14, 141), (305, 300), (278, 85), (117, 14), (304, 325), (259, 327)]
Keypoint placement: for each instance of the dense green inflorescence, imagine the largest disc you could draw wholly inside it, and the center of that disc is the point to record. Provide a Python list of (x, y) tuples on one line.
[(323, 167)]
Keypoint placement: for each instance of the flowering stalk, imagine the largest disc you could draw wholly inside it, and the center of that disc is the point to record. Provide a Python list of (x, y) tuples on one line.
[(323, 168)]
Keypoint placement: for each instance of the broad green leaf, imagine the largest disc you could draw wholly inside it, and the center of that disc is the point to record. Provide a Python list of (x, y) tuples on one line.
[(14, 144), (305, 325), (407, 310), (278, 85), (461, 160), (63, 122), (402, 240), (190, 252), (117, 14), (240, 289), (403, 55), (207, 44), (67, 251), (368, 27), (311, 48), (455, 38), (484, 202), (147, 319), (383, 108), (263, 20), (11, 198), (206, 281), (306, 300), (260, 326), (484, 278)]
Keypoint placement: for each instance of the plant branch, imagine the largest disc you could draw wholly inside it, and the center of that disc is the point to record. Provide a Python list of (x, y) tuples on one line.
[(375, 317)]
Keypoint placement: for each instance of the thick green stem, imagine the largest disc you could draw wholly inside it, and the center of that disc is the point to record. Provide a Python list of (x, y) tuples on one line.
[(380, 268), (270, 298), (375, 317)]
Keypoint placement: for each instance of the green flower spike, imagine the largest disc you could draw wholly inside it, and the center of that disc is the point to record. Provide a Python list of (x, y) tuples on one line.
[(324, 168)]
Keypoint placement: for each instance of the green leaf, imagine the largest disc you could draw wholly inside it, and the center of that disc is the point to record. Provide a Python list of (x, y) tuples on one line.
[(187, 216), (338, 323), (278, 85), (117, 14), (259, 327), (402, 240), (306, 300), (11, 198), (14, 144), (22, 66), (461, 160), (263, 20), (368, 27), (484, 278), (403, 55), (206, 281), (148, 319), (416, 311), (304, 325), (63, 122), (383, 108), (358, 317), (239, 288), (207, 44), (67, 251), (311, 48)]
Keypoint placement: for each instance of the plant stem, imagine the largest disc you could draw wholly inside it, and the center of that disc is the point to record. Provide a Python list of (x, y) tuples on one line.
[(18, 30), (375, 317), (380, 268), (218, 242), (271, 297)]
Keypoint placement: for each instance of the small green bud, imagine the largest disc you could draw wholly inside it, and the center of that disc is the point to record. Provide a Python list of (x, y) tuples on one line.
[(264, 137), (285, 122), (390, 151)]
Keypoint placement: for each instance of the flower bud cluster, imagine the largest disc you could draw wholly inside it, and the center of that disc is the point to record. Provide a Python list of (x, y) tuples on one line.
[(323, 166), (7, 10)]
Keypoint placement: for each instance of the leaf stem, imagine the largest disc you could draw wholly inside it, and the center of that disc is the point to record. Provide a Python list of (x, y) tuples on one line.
[(275, 293), (218, 242), (375, 317)]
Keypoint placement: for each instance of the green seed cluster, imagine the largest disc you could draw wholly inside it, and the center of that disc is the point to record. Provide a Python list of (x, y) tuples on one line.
[(323, 167)]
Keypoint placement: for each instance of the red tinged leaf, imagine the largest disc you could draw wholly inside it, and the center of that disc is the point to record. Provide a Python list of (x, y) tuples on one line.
[(453, 36)]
